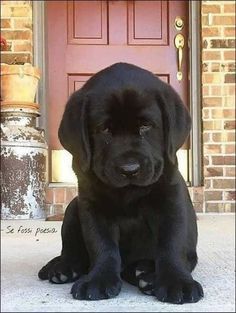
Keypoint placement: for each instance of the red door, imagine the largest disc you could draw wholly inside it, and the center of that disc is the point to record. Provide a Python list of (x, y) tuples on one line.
[(85, 36)]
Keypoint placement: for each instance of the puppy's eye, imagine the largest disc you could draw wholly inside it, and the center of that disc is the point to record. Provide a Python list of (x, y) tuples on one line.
[(145, 127), (103, 129)]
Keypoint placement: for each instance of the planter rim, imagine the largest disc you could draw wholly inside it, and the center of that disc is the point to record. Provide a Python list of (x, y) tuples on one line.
[(19, 106), (16, 69)]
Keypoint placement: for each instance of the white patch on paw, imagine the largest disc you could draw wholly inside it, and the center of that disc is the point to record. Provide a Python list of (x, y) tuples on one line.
[(138, 272), (142, 283), (75, 274), (63, 277), (55, 279), (148, 292)]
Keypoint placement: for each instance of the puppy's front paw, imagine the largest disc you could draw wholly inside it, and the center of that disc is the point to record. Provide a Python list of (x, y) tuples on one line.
[(145, 276), (58, 271), (96, 287), (178, 292)]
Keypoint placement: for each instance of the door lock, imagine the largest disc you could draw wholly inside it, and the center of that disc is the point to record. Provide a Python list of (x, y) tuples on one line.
[(179, 23), (179, 44)]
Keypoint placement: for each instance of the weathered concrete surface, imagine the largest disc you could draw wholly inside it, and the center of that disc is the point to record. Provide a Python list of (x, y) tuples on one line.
[(24, 254)]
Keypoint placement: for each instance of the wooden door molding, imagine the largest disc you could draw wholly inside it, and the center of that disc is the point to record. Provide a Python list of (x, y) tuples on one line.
[(195, 93), (39, 21)]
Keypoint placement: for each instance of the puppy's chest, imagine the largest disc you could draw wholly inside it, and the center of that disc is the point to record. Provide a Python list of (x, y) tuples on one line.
[(139, 235)]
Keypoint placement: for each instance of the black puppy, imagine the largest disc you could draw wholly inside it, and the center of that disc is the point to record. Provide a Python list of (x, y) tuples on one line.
[(133, 218)]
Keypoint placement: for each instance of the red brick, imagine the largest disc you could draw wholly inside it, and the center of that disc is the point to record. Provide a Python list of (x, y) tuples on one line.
[(212, 149), (209, 78), (231, 137), (210, 8), (217, 113), (222, 43), (8, 47), (230, 149), (223, 113), (229, 101), (212, 125), (23, 46), (230, 195), (216, 67), (212, 55), (207, 183), (215, 90), (212, 101), (206, 113), (58, 209), (224, 183), (229, 125), (197, 194), (58, 217), (213, 171), (230, 78), (49, 195), (223, 20), (230, 171), (229, 31), (223, 160), (213, 195), (217, 160), (229, 207), (205, 67), (19, 58), (229, 90), (23, 23), (5, 23), (229, 113), (18, 11), (206, 160), (17, 34), (223, 137), (71, 192), (205, 90), (210, 32), (198, 207), (231, 67), (229, 8), (214, 207), (229, 55), (59, 195), (206, 138)]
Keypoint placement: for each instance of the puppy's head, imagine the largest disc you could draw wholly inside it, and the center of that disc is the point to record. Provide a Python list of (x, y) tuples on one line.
[(126, 133), (127, 139)]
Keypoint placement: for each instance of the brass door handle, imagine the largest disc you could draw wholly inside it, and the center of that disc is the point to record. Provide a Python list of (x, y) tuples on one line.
[(179, 44)]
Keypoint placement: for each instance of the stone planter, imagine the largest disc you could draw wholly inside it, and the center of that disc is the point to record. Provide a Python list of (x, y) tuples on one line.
[(19, 83)]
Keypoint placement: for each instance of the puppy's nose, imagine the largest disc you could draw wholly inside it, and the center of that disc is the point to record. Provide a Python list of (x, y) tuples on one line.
[(129, 169)]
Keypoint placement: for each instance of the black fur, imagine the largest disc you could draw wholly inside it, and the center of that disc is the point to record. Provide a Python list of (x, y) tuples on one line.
[(133, 218)]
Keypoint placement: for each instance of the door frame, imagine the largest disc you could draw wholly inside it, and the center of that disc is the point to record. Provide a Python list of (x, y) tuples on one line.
[(39, 36)]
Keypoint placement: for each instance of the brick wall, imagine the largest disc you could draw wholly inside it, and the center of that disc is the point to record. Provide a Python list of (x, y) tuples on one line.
[(16, 28), (218, 104)]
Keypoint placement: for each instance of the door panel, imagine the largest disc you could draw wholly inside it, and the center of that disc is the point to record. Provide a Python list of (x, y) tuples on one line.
[(84, 37), (148, 23), (87, 22)]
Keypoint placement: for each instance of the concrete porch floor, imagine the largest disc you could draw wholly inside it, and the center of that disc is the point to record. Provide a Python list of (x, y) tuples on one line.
[(23, 254)]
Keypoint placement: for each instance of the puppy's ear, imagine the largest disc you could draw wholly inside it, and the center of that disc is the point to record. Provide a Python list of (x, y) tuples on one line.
[(176, 121), (73, 130)]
